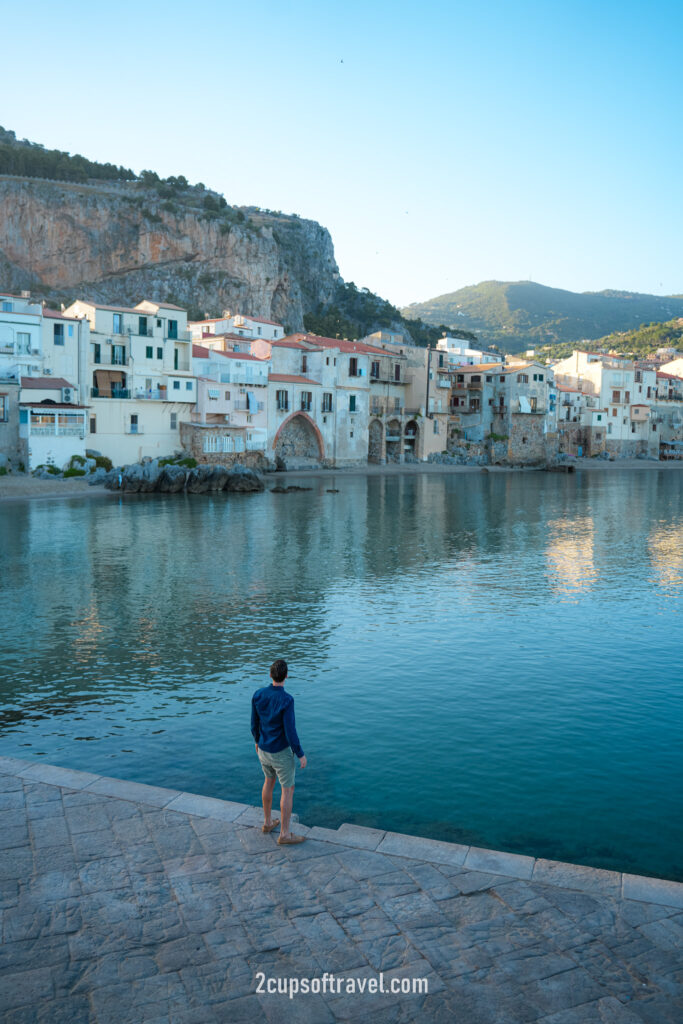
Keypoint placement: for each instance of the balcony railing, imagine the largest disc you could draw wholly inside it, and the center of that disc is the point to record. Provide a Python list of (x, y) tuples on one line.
[(474, 385), (256, 446), (499, 410), (153, 394), (114, 393), (59, 432)]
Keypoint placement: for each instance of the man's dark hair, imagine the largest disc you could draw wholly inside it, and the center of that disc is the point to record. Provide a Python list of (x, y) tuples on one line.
[(278, 671)]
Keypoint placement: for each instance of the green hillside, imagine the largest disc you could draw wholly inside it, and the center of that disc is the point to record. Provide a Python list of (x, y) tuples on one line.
[(636, 344), (522, 314)]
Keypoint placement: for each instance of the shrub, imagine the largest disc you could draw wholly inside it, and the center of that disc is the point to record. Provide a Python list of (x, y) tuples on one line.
[(103, 462), (189, 462), (77, 460), (3, 470), (72, 472), (53, 469)]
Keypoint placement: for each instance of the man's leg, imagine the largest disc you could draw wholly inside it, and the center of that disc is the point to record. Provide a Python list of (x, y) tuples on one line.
[(267, 799), (286, 801)]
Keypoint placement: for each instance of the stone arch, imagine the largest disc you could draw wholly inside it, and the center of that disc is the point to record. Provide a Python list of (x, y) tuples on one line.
[(299, 436), (375, 441), (394, 441), (412, 433)]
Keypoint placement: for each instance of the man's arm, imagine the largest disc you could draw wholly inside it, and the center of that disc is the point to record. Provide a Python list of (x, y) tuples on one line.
[(290, 730), (255, 723)]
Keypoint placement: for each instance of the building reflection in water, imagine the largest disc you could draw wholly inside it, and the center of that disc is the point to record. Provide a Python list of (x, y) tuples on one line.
[(570, 554), (665, 547)]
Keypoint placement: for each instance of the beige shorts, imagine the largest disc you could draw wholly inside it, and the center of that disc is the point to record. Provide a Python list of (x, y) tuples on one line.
[(281, 765)]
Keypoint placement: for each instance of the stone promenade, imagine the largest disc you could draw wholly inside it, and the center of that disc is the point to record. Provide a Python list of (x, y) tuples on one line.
[(123, 903)]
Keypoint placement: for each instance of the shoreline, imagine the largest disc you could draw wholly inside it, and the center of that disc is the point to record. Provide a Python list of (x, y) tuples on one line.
[(19, 487)]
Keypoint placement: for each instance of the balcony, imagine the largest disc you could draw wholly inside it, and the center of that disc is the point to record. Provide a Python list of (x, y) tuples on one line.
[(114, 393), (153, 395), (256, 446), (499, 410), (474, 385), (59, 432)]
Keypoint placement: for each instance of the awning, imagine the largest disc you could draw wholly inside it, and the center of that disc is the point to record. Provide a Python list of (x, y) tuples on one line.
[(251, 401), (108, 380), (524, 404)]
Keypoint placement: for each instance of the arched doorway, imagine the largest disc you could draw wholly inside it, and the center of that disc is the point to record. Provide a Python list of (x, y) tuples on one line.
[(394, 441), (411, 436), (298, 437), (375, 439)]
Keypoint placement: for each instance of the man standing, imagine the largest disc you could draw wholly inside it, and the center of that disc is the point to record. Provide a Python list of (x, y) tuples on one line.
[(274, 731)]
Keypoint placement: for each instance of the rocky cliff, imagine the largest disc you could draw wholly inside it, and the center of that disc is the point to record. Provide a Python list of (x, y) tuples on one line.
[(118, 243)]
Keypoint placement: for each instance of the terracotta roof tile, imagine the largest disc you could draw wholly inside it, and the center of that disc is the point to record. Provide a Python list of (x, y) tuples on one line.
[(45, 383), (290, 378)]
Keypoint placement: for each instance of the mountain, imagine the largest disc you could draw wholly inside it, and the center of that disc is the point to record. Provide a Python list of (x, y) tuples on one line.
[(74, 228), (521, 314)]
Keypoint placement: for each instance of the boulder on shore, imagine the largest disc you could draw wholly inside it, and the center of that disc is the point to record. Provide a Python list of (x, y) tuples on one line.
[(148, 476)]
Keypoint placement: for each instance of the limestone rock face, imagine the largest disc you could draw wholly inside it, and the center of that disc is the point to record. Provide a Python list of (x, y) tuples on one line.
[(121, 243)]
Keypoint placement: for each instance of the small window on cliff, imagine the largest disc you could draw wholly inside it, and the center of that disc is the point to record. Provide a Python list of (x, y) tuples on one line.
[(174, 421)]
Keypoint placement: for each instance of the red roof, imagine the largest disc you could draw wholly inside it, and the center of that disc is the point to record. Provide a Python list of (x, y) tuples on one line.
[(668, 376), (199, 352), (289, 343), (289, 378), (45, 383), (343, 344), (52, 405), (563, 387), (259, 320), (55, 314)]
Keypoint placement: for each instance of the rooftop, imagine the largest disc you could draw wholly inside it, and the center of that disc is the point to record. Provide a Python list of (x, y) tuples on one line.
[(290, 378), (45, 383)]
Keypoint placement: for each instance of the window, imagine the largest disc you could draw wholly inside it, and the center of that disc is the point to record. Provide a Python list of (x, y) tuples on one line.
[(23, 342), (397, 404), (475, 378), (142, 326), (461, 378), (188, 385), (489, 379), (599, 417), (598, 437), (353, 367), (522, 378), (227, 396), (440, 359), (502, 380), (96, 353), (352, 403), (118, 355), (304, 364), (4, 408), (173, 329), (397, 371), (174, 421), (627, 397), (93, 424), (327, 361), (176, 385), (7, 307), (282, 400), (71, 330), (134, 424), (306, 401), (158, 322), (149, 352), (614, 412), (436, 426), (59, 334), (118, 323), (609, 428), (374, 370), (160, 353), (533, 403), (616, 396), (523, 440), (327, 402), (633, 428)]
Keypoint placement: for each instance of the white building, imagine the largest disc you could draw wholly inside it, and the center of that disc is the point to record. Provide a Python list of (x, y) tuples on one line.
[(456, 352), (139, 377), (21, 347), (231, 412), (52, 425), (238, 325), (623, 392)]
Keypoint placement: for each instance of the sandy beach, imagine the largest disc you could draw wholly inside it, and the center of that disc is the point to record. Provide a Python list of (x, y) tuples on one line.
[(20, 487)]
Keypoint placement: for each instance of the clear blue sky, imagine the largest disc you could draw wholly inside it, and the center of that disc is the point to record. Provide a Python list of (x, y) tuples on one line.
[(441, 143)]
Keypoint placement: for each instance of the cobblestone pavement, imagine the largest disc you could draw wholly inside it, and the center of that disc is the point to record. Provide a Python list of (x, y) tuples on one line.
[(125, 903)]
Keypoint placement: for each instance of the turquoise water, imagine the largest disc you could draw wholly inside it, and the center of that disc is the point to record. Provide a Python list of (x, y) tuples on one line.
[(486, 658)]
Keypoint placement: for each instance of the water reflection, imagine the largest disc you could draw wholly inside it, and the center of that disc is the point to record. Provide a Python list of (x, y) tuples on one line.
[(426, 619)]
